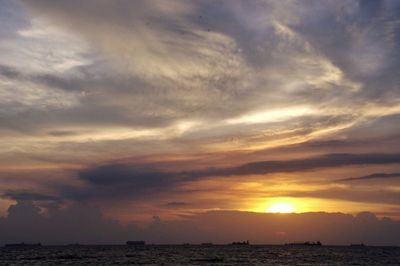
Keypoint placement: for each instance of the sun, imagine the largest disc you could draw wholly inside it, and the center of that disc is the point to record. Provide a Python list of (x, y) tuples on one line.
[(281, 207)]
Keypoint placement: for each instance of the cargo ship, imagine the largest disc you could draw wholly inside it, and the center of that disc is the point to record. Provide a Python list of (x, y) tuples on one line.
[(244, 243)]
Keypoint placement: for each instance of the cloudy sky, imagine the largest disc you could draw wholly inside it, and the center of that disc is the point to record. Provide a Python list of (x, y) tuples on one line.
[(178, 108)]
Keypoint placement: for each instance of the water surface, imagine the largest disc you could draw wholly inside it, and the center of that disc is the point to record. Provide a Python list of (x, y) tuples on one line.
[(199, 255)]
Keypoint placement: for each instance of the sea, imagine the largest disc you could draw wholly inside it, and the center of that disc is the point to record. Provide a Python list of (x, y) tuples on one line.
[(199, 255)]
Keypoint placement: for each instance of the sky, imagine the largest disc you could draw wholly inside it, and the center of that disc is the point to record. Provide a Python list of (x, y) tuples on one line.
[(181, 120)]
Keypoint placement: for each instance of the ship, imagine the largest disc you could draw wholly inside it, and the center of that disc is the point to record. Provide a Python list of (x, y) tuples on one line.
[(307, 243), (244, 243), (135, 243), (208, 244)]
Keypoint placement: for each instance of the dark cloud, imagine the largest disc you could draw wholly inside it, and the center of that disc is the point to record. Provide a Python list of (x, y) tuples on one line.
[(9, 72), (77, 223), (51, 80), (119, 180), (372, 176), (45, 201), (123, 181), (122, 174), (84, 224), (28, 196), (324, 161), (62, 133)]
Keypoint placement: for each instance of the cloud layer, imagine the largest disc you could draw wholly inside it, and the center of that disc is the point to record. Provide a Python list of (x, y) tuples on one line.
[(25, 223)]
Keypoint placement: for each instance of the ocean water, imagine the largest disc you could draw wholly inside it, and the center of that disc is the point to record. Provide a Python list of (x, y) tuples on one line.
[(199, 255)]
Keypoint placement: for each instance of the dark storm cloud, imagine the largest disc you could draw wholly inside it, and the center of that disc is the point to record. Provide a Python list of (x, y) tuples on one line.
[(372, 176)]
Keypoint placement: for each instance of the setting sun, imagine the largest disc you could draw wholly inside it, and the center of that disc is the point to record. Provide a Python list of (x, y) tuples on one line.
[(281, 207)]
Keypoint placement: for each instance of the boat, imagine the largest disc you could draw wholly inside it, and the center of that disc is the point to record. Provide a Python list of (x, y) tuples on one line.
[(244, 243), (135, 243), (307, 243), (22, 244)]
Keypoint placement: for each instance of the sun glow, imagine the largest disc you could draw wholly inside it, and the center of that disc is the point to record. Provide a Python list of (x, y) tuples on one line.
[(281, 207)]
